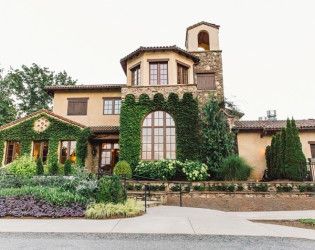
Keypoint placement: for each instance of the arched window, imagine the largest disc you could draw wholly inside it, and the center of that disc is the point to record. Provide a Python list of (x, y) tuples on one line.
[(158, 136), (203, 40)]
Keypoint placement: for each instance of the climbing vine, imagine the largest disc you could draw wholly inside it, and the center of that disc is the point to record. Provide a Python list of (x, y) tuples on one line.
[(184, 112), (56, 132)]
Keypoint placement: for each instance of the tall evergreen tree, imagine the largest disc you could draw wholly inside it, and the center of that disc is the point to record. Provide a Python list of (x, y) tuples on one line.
[(217, 140), (295, 161)]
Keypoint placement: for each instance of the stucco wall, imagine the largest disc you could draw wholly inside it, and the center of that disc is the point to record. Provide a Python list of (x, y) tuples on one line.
[(94, 115), (172, 66), (192, 37), (252, 146)]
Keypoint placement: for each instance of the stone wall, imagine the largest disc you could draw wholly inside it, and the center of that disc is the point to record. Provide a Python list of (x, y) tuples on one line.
[(210, 61)]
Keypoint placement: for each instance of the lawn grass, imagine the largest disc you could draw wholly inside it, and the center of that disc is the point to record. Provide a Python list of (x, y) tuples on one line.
[(310, 222)]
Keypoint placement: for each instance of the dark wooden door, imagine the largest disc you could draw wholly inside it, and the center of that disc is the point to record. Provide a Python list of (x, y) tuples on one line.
[(109, 155)]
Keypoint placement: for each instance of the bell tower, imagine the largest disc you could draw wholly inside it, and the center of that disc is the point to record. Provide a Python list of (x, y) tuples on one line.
[(202, 40)]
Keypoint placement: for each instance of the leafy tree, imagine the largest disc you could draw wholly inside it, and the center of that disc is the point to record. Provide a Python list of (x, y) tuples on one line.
[(217, 140), (28, 84), (7, 109)]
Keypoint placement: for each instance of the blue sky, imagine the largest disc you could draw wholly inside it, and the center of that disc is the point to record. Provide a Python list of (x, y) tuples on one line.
[(268, 46)]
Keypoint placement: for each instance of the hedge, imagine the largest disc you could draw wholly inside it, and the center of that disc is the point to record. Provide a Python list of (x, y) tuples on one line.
[(56, 132)]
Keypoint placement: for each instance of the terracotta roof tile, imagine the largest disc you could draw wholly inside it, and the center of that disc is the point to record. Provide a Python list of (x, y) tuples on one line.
[(272, 125), (104, 129), (205, 23), (51, 89), (174, 48)]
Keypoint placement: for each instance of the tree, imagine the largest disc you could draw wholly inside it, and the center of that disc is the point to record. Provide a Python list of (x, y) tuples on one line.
[(295, 161), (28, 86), (217, 140), (7, 109), (285, 158)]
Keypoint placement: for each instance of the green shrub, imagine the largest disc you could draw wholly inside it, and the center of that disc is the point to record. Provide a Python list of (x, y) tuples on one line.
[(55, 196), (123, 169), (39, 166), (110, 210), (157, 170), (23, 166), (306, 188), (110, 190), (260, 188), (195, 171), (176, 188), (67, 168), (240, 188), (235, 168), (53, 167), (284, 188), (12, 181), (199, 188)]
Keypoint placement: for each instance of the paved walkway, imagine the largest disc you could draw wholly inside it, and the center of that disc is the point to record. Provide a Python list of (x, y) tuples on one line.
[(167, 220)]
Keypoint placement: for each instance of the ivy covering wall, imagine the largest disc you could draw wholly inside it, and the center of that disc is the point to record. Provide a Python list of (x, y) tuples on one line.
[(56, 132), (184, 112)]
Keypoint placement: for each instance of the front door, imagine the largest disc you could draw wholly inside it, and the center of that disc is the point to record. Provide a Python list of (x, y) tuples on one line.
[(109, 156)]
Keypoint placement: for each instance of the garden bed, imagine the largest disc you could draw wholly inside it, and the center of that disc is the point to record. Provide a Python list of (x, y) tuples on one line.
[(29, 206), (289, 223)]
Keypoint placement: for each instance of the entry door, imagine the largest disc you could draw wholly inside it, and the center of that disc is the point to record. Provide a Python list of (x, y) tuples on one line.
[(109, 152)]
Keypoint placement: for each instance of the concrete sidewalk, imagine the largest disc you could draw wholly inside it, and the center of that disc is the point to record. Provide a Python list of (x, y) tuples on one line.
[(162, 220), (276, 215)]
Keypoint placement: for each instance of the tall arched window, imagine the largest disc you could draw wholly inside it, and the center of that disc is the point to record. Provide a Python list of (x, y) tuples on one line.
[(158, 136), (203, 40)]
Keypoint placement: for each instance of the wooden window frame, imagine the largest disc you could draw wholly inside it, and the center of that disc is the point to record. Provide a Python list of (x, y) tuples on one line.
[(136, 70), (69, 142), (6, 160), (312, 144), (113, 100), (152, 127), (158, 63), (181, 78), (79, 99)]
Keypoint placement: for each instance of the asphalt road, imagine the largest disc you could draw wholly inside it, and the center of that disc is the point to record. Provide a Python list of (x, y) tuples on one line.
[(146, 241)]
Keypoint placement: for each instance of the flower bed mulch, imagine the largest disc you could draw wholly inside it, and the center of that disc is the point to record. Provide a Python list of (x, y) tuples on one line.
[(30, 207)]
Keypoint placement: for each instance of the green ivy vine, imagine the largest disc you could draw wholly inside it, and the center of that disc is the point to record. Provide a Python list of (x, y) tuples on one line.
[(185, 113), (56, 132)]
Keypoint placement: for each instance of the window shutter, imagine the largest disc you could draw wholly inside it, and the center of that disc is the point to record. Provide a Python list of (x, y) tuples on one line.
[(313, 150), (206, 81), (77, 106)]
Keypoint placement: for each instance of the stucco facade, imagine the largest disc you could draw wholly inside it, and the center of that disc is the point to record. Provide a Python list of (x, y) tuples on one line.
[(171, 57), (95, 106), (252, 146)]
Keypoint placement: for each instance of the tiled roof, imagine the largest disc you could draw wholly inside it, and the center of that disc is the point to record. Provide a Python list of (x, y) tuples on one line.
[(205, 23), (51, 89), (272, 125), (105, 129), (47, 112), (174, 48)]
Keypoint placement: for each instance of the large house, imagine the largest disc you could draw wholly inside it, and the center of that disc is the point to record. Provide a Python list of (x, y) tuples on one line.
[(153, 116)]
